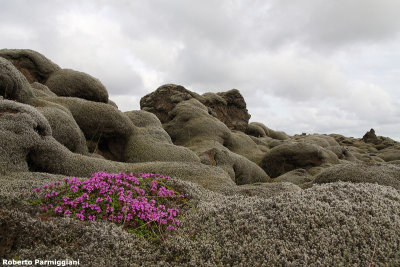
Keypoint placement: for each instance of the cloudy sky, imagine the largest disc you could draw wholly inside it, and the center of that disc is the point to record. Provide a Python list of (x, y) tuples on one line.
[(314, 66)]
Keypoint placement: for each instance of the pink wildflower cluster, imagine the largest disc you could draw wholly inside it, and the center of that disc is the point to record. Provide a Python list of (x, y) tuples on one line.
[(125, 199)]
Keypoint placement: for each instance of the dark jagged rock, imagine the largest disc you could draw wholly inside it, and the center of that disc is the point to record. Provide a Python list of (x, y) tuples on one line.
[(370, 137), (229, 107), (231, 110)]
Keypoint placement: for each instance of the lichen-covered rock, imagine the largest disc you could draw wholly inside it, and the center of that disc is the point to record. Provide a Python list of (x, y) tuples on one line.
[(164, 99), (321, 140), (33, 65), (112, 103), (41, 90), (71, 83), (342, 153), (64, 127), (21, 128), (13, 85), (370, 137), (229, 107), (383, 174), (255, 130), (150, 142), (390, 154), (258, 129), (296, 176), (192, 127), (102, 124), (293, 155), (242, 144)]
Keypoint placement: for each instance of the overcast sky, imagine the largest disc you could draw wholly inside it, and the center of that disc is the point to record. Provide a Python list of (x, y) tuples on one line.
[(309, 66)]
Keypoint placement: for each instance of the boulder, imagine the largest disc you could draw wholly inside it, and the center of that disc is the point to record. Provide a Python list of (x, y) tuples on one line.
[(390, 154), (64, 127), (33, 65), (13, 85), (370, 137), (112, 103), (242, 144), (258, 129), (105, 128), (229, 107), (41, 90), (293, 155), (164, 99), (193, 127), (383, 174), (297, 176), (342, 153), (255, 130), (150, 142), (321, 140), (21, 128), (67, 82)]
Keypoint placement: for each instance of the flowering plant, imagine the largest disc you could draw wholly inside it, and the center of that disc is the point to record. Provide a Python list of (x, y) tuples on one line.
[(142, 204)]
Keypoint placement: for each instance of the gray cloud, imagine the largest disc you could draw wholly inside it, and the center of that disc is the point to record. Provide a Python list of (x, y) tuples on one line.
[(302, 66)]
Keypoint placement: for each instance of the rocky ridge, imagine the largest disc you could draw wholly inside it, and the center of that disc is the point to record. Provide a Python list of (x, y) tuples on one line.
[(264, 196)]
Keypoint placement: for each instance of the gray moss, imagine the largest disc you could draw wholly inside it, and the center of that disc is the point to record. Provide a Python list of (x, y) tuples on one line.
[(41, 90), (13, 85), (297, 177), (292, 155), (150, 142), (325, 225), (383, 174), (257, 128), (21, 128), (242, 144), (101, 123), (66, 82), (192, 127), (64, 128), (35, 66)]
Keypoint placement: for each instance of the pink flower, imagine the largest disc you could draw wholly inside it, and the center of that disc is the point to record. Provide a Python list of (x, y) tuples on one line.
[(67, 213), (74, 188), (58, 209)]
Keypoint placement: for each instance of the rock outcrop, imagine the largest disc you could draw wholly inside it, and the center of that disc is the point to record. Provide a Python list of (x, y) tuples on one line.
[(33, 65), (13, 85), (290, 156), (229, 107), (191, 126)]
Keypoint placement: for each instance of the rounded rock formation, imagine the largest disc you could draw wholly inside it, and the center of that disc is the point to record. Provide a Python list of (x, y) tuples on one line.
[(66, 82), (33, 65), (13, 85), (293, 155)]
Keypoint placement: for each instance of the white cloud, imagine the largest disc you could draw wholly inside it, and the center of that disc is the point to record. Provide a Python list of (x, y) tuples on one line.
[(302, 66)]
